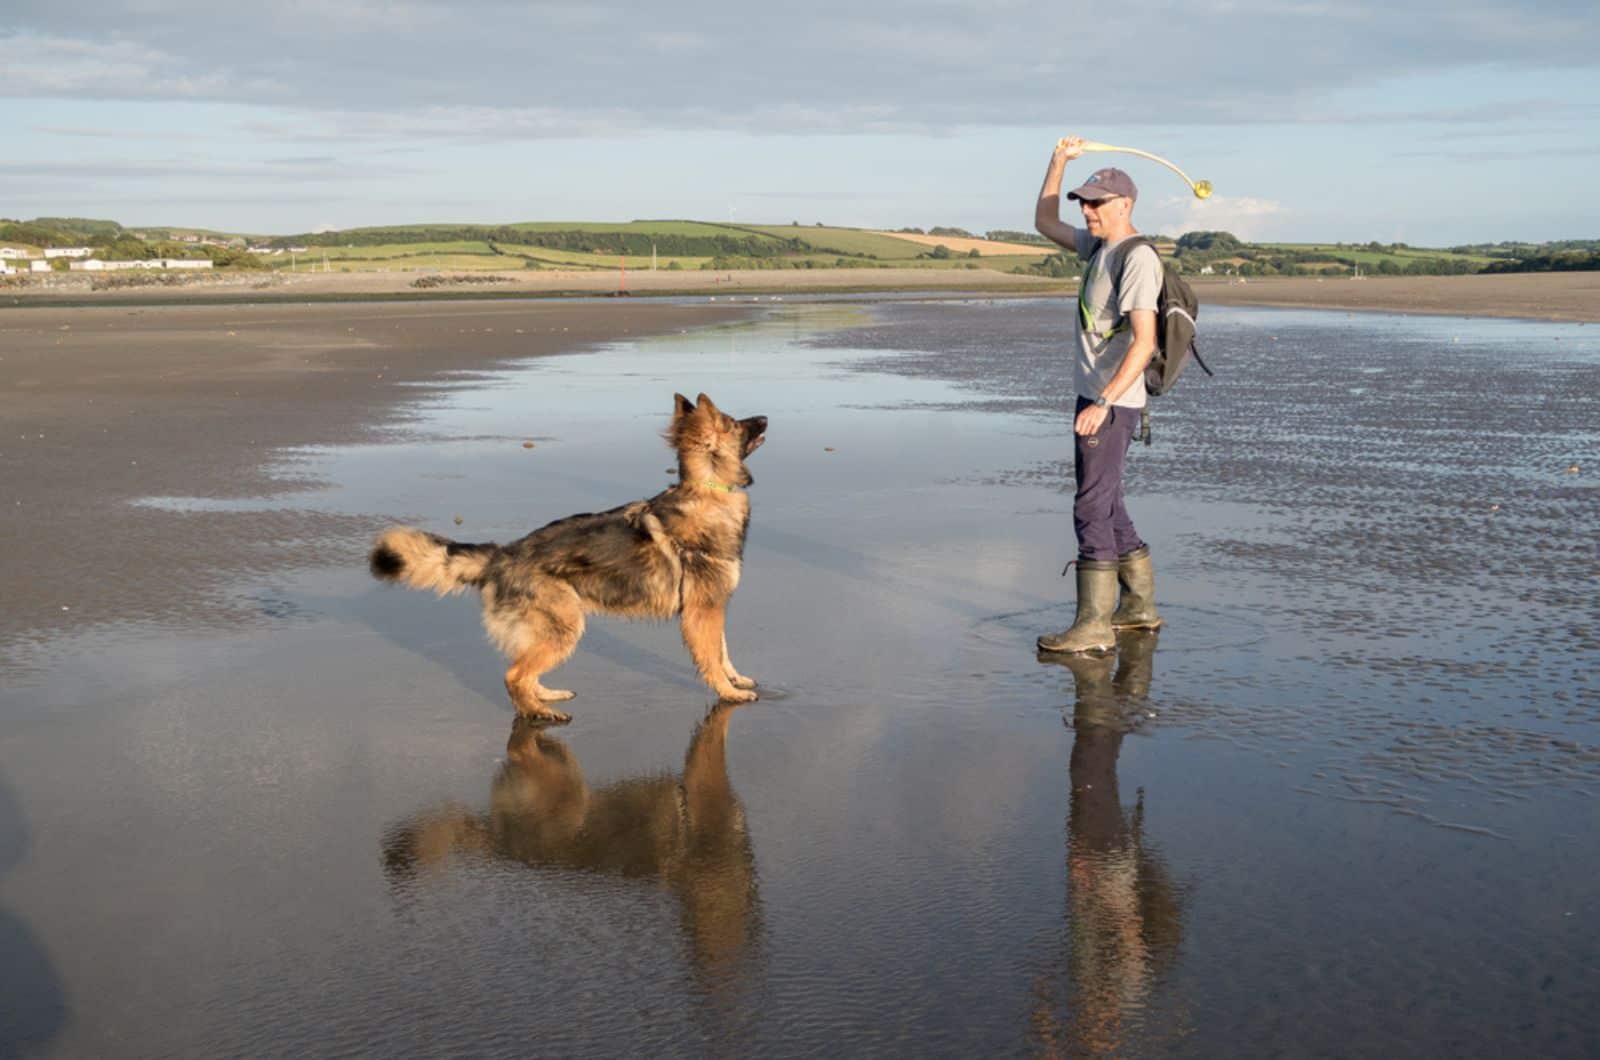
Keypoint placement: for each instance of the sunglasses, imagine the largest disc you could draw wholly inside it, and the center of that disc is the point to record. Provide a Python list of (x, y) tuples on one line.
[(1088, 204)]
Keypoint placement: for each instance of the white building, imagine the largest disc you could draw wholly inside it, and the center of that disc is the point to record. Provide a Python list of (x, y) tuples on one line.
[(68, 252), (6, 269), (39, 265), (96, 265), (15, 254)]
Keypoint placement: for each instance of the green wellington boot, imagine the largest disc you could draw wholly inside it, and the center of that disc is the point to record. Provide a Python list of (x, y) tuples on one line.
[(1091, 629), (1138, 580)]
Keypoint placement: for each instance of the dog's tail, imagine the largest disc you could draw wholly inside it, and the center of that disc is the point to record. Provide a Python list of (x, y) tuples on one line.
[(420, 560)]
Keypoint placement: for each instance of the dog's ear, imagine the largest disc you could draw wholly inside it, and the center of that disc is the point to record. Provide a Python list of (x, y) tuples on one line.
[(681, 406), (706, 405)]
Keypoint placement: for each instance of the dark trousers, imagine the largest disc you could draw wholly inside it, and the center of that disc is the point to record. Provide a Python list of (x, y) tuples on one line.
[(1105, 531)]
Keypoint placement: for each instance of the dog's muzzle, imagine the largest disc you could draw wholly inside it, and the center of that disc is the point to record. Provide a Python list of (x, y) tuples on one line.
[(754, 433)]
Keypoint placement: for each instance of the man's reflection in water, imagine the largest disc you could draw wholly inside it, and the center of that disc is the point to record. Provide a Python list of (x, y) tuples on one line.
[(687, 833), (1124, 912)]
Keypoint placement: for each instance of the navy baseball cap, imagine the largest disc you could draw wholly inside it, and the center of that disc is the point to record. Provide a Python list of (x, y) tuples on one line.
[(1105, 184)]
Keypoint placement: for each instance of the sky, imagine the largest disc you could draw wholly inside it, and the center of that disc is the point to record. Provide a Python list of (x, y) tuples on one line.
[(1431, 123)]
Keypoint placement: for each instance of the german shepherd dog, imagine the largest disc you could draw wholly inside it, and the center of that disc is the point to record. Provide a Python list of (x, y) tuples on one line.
[(677, 553)]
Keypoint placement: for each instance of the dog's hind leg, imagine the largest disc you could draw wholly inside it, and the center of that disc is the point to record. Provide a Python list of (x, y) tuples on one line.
[(548, 635), (702, 635), (530, 697)]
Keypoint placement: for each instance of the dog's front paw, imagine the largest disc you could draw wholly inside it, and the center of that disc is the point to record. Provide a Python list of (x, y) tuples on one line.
[(540, 714), (741, 681), (738, 695)]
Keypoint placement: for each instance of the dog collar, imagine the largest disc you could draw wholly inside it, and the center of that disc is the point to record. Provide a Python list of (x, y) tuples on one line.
[(717, 486)]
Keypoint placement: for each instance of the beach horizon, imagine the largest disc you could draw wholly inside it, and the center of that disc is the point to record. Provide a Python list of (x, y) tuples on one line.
[(1562, 296)]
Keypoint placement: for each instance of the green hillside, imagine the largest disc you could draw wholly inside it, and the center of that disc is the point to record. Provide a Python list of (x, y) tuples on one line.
[(584, 244), (850, 242), (671, 238), (1377, 258), (685, 244), (461, 255)]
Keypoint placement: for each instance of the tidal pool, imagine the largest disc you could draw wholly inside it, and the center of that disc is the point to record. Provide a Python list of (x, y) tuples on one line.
[(1344, 803)]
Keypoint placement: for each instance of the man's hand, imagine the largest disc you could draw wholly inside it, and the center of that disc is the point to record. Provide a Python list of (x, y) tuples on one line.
[(1091, 419), (1047, 213)]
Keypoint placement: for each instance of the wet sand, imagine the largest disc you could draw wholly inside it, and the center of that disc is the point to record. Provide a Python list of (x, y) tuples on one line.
[(1540, 296), (551, 283), (1332, 808), (1535, 296), (103, 406)]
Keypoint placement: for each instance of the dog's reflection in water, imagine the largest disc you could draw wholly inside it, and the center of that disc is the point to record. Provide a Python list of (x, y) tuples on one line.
[(686, 832), (1125, 912)]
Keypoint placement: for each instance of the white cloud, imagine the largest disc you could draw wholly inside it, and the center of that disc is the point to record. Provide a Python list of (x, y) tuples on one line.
[(98, 172), (677, 42), (75, 67), (606, 64), (68, 66), (1245, 217), (500, 124)]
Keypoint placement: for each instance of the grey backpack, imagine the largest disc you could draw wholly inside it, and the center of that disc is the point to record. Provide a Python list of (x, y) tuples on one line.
[(1176, 310)]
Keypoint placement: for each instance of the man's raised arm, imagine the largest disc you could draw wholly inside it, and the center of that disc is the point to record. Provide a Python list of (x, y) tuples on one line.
[(1047, 212)]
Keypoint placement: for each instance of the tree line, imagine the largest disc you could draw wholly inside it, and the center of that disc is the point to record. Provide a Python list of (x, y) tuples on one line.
[(1226, 253), (1561, 261), (635, 244)]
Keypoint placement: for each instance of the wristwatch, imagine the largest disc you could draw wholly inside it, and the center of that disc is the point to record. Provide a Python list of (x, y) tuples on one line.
[(1100, 402)]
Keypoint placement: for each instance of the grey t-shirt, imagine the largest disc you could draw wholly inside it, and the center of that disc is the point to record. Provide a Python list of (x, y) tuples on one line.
[(1098, 355)]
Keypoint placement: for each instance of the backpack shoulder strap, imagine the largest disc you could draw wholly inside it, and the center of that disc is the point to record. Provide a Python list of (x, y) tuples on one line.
[(1085, 316), (1119, 265), (1097, 251), (1122, 252)]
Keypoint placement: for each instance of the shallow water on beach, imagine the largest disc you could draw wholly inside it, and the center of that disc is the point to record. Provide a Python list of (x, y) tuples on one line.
[(1344, 803)]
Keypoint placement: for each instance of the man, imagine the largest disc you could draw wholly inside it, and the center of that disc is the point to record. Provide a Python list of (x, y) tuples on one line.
[(1115, 335)]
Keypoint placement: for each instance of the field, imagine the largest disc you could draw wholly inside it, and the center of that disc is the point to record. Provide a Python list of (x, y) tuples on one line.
[(462, 255), (577, 259), (1363, 255), (394, 257), (661, 228), (985, 247), (850, 242), (782, 247), (687, 246)]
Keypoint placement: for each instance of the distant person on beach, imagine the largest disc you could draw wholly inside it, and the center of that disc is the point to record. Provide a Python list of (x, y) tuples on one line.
[(1114, 335)]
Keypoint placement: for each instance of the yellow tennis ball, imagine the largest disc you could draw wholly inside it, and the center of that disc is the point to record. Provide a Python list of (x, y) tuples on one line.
[(1202, 189)]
